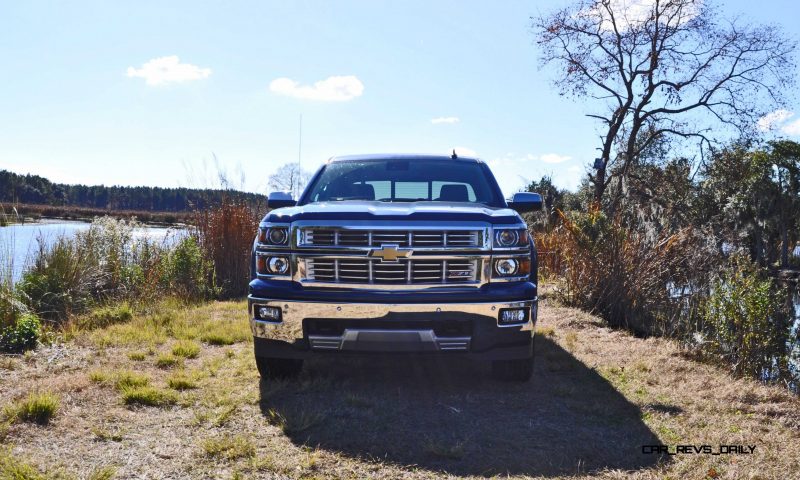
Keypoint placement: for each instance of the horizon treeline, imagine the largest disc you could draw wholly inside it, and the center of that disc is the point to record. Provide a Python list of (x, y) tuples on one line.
[(37, 190)]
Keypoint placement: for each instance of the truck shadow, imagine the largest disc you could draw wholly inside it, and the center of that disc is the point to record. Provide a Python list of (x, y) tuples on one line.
[(448, 415)]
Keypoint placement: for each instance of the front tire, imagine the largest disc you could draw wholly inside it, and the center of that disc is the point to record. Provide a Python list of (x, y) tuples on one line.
[(519, 370), (271, 368)]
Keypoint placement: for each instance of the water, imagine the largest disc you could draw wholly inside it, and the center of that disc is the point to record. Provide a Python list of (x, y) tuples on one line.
[(19, 242)]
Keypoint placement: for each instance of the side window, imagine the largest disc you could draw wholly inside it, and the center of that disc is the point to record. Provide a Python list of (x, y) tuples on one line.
[(437, 189)]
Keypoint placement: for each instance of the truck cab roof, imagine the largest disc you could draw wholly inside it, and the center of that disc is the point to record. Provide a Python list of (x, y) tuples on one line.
[(399, 156)]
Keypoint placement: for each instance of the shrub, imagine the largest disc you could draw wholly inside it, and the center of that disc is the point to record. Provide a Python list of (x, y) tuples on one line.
[(745, 321), (226, 232), (623, 275), (22, 335), (188, 274)]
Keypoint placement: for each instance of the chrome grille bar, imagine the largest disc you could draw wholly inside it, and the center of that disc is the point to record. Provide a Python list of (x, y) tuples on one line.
[(403, 272), (331, 237)]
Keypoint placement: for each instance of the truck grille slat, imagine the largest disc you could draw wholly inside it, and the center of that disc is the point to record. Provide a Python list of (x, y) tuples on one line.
[(402, 272), (329, 237)]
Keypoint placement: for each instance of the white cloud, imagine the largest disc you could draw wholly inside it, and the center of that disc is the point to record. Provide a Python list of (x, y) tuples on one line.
[(464, 152), (792, 128), (773, 119), (632, 13), (552, 158), (164, 70), (438, 120), (332, 89)]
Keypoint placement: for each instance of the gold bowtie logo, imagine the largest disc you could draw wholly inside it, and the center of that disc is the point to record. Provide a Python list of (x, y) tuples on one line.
[(390, 253)]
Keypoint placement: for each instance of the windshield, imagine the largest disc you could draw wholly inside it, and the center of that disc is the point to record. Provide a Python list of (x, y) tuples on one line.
[(405, 181)]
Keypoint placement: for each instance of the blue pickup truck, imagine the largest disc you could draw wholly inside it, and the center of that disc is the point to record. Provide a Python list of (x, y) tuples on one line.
[(409, 254)]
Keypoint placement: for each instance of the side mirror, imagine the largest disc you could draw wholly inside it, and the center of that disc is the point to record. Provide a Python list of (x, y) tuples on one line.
[(524, 202), (280, 200)]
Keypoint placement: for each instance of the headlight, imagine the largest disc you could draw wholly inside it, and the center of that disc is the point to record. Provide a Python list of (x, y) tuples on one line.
[(512, 267), (273, 235), (511, 238), (272, 265), (278, 265)]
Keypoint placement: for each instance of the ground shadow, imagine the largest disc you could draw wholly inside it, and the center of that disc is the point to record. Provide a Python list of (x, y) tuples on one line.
[(449, 415)]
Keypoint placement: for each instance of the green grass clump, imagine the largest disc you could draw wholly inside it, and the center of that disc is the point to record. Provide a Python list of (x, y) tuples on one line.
[(108, 315), (228, 446), (181, 381), (216, 338), (36, 408), (126, 379), (186, 349), (12, 468), (167, 360), (137, 356), (102, 473), (148, 396)]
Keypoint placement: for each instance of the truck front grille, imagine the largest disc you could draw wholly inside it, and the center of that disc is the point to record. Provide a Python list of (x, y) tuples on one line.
[(330, 237), (402, 272)]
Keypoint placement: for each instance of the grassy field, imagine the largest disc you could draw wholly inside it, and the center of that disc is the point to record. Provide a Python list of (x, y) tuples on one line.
[(175, 394)]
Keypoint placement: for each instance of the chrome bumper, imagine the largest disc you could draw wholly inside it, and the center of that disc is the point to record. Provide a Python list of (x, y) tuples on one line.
[(290, 328)]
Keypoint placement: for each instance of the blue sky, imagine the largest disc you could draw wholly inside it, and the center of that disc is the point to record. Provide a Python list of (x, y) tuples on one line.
[(78, 102)]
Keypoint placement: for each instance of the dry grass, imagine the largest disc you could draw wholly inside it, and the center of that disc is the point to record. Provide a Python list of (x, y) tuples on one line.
[(596, 397)]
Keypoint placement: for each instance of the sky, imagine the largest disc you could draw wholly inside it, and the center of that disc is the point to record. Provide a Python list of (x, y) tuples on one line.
[(167, 93)]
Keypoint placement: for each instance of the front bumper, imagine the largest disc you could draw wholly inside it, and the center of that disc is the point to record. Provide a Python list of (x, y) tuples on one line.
[(308, 327)]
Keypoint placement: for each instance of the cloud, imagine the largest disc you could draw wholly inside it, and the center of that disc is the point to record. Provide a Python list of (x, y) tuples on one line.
[(633, 13), (438, 120), (164, 70), (773, 119), (792, 128), (332, 89), (552, 158)]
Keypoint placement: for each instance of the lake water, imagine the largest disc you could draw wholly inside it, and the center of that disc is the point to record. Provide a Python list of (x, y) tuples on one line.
[(19, 241)]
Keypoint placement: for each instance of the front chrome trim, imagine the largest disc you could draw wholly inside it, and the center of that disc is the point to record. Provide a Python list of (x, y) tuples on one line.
[(293, 312)]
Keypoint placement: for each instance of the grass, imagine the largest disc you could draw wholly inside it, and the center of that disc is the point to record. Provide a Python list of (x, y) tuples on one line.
[(229, 447), (186, 349), (13, 468), (180, 381), (213, 323), (37, 407), (168, 360), (137, 356), (394, 419), (148, 396)]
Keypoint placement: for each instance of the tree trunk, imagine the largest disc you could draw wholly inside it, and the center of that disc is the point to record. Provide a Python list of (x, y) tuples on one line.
[(784, 245)]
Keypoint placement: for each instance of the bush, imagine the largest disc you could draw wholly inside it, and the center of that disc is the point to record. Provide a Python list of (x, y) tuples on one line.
[(189, 275), (225, 233), (22, 335), (623, 274), (745, 321)]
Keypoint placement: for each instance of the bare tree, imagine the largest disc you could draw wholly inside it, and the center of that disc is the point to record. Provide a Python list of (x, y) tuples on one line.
[(289, 178), (663, 69)]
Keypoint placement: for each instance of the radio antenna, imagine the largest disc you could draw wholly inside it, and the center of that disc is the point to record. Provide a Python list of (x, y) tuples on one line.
[(300, 144)]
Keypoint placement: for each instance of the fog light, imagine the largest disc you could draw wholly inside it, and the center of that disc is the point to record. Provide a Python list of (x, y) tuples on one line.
[(506, 267), (272, 314), (279, 265), (513, 315)]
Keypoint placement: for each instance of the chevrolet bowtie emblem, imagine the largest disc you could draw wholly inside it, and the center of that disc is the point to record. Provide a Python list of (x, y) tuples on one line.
[(390, 253)]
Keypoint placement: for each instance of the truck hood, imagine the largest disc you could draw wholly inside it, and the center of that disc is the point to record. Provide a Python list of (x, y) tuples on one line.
[(412, 211)]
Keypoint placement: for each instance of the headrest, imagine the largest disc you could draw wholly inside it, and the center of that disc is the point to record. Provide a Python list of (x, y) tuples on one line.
[(453, 193)]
